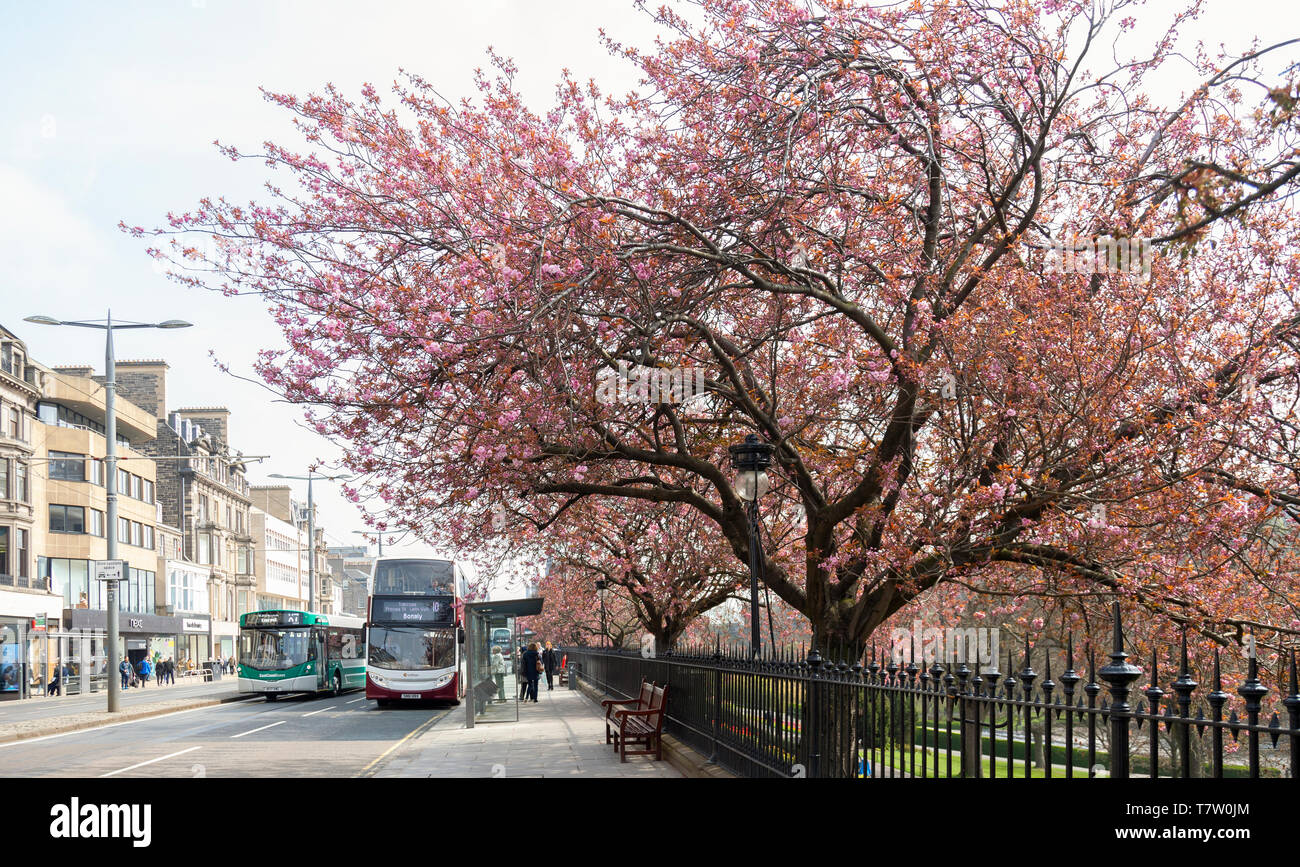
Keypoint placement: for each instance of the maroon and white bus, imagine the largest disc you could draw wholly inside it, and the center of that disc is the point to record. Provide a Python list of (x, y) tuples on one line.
[(414, 631)]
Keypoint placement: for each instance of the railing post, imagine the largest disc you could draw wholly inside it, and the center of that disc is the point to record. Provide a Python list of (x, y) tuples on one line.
[(1119, 675), (1069, 678), (1184, 686), (814, 721), (1292, 703), (1253, 692), (970, 728)]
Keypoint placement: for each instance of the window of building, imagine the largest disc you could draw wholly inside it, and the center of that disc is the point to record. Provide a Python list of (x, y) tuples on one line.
[(147, 490), (148, 539), (124, 531), (96, 523), (15, 423), (67, 467), (136, 492), (123, 482), (203, 509), (67, 519), (96, 468), (20, 553), (21, 493), (137, 534), (4, 479), (205, 549), (229, 520), (4, 552)]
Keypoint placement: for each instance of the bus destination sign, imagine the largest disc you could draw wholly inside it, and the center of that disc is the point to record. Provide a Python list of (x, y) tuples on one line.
[(407, 609), (273, 618)]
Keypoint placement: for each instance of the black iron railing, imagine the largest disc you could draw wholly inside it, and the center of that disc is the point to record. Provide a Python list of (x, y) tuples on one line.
[(787, 714)]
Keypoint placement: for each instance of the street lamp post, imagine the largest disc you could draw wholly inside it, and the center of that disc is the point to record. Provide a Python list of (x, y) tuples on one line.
[(110, 469), (311, 529), (751, 459), (602, 589), (379, 533)]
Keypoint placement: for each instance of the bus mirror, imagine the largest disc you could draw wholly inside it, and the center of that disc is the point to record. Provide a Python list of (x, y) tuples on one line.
[(460, 634)]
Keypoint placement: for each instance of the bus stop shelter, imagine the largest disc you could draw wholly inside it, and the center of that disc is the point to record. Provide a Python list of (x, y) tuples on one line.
[(492, 639)]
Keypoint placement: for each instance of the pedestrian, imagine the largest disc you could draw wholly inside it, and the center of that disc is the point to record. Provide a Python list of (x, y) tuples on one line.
[(125, 670), (550, 663), (55, 684), (532, 670), (522, 674), (499, 672), (144, 672)]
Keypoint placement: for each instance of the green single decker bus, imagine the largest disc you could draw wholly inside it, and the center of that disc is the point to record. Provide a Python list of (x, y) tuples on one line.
[(296, 651)]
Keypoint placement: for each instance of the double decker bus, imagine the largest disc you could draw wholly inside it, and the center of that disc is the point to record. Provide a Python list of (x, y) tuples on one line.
[(414, 631), (283, 652)]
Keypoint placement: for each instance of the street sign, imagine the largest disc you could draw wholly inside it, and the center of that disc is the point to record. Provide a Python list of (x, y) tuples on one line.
[(109, 570), (38, 623)]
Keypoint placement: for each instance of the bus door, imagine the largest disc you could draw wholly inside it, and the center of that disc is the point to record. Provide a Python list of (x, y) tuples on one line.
[(322, 661)]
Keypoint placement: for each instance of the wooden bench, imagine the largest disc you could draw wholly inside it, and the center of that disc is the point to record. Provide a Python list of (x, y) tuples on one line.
[(643, 727), (641, 702)]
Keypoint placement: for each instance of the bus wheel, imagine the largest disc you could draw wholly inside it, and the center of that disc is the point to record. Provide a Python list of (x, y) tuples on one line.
[(338, 684), (270, 696), (384, 702)]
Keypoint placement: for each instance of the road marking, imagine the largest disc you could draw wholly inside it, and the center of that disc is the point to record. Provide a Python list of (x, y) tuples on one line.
[(355, 700), (322, 710), (415, 731), (260, 728), (150, 762)]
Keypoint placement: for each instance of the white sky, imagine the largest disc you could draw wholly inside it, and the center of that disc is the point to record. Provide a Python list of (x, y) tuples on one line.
[(108, 111)]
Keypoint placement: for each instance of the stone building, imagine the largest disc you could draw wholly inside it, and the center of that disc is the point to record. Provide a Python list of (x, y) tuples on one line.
[(203, 492), (25, 595), (350, 567), (287, 518)]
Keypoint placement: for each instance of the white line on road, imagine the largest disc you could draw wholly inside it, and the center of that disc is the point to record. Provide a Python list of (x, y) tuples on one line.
[(260, 728), (355, 700), (150, 762), (322, 710)]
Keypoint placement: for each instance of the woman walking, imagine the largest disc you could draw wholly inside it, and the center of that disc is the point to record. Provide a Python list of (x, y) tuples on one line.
[(532, 670)]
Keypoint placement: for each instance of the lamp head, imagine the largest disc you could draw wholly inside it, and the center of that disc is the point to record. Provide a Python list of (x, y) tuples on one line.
[(175, 323), (42, 320), (750, 460)]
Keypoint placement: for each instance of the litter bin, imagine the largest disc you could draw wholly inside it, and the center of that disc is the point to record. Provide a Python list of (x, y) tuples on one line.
[(572, 675), (216, 669)]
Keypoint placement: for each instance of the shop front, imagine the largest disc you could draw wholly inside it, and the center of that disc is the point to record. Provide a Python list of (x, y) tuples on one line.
[(159, 637)]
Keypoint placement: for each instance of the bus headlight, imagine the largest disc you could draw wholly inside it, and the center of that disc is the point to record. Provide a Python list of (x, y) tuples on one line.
[(377, 679), (442, 681)]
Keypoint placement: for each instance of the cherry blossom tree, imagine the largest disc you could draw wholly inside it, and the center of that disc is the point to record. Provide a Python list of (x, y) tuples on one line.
[(850, 219)]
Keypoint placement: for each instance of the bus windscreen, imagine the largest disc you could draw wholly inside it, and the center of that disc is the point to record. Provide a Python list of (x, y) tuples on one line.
[(398, 577)]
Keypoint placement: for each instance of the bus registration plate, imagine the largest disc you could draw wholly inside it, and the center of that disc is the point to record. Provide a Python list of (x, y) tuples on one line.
[(410, 695)]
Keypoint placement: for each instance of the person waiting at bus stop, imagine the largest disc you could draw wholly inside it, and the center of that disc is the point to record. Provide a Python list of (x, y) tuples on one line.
[(550, 662), (499, 672), (532, 671)]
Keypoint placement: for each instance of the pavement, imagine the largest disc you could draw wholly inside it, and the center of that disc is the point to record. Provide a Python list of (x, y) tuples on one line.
[(212, 731), (562, 735), (40, 707)]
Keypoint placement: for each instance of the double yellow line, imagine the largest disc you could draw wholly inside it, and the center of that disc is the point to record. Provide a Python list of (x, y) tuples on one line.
[(422, 727)]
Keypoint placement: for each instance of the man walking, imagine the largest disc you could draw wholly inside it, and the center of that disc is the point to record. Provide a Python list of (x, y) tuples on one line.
[(551, 664), (125, 670)]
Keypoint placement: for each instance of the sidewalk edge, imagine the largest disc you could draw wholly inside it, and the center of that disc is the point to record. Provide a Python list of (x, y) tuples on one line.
[(123, 716)]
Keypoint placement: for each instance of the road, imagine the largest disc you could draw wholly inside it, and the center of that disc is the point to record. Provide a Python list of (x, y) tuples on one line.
[(306, 736)]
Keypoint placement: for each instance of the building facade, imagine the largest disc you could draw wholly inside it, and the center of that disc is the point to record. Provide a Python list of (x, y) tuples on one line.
[(25, 599), (204, 493)]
